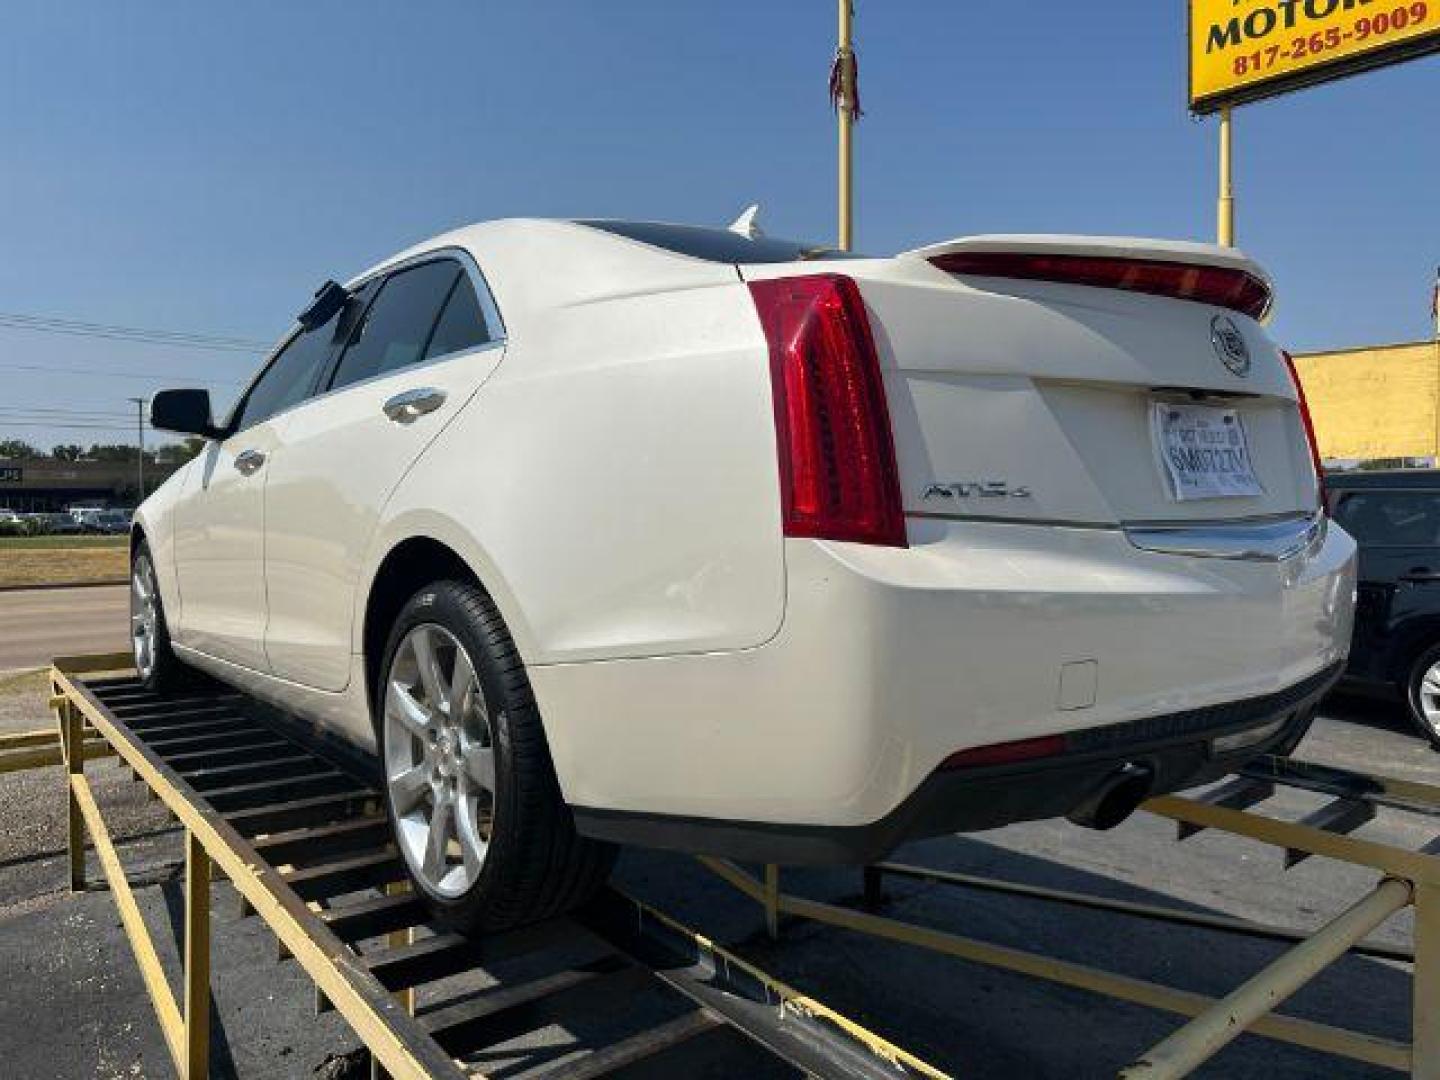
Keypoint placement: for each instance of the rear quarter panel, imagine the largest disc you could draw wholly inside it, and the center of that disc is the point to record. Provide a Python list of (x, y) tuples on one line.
[(614, 484)]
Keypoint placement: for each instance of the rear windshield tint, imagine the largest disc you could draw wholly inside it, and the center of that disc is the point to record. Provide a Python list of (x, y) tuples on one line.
[(712, 245)]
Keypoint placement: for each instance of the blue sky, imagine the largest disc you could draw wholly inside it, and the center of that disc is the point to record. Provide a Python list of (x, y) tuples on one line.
[(202, 167)]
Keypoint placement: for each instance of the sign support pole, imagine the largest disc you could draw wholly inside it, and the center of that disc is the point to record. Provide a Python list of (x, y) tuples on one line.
[(1226, 223), (846, 124)]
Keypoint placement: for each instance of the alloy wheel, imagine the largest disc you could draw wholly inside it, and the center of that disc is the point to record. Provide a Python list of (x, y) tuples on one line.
[(439, 759), (1429, 695), (144, 617)]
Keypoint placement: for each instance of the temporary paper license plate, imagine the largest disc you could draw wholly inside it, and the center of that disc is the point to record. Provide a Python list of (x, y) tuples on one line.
[(1204, 452)]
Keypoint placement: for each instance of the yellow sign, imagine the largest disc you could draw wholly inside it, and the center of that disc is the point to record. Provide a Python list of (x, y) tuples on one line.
[(1243, 50)]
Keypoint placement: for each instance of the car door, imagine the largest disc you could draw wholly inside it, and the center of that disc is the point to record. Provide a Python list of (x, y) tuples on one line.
[(1398, 532), (219, 516), (426, 342)]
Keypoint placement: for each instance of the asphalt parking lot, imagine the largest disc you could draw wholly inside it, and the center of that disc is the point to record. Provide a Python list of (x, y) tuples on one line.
[(76, 1006)]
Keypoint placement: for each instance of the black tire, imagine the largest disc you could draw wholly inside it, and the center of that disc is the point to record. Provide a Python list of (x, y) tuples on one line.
[(1414, 685), (536, 865), (166, 673)]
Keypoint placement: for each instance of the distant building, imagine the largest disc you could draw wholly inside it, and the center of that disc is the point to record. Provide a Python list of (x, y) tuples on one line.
[(34, 484), (1381, 402)]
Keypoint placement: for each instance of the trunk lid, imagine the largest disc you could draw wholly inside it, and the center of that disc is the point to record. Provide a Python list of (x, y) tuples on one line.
[(1028, 398)]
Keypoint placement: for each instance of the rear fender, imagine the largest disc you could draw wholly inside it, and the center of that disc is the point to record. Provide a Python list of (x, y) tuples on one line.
[(442, 529)]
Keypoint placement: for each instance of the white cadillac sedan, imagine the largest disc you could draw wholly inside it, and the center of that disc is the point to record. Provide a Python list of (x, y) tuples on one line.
[(599, 531)]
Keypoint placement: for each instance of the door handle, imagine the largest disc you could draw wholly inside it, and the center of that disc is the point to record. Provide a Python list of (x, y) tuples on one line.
[(409, 405), (1420, 575), (248, 462)]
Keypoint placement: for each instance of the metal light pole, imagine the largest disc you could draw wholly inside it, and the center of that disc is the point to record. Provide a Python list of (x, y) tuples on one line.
[(140, 451), (1226, 223)]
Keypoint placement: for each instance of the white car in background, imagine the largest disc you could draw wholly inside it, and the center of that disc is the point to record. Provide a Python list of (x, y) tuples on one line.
[(601, 531)]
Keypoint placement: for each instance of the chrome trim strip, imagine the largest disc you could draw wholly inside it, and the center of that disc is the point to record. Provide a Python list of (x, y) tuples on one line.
[(1249, 519), (1271, 541), (992, 519)]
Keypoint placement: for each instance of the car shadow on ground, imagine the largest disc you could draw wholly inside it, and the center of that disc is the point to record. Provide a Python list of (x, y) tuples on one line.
[(1387, 713)]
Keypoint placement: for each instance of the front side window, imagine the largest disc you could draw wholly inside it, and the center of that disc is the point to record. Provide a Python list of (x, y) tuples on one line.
[(1390, 518), (289, 378), (397, 328)]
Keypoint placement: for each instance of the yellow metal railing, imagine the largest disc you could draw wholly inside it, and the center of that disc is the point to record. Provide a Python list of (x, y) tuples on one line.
[(394, 1038), (39, 749), (384, 1020), (1307, 1033), (1408, 879)]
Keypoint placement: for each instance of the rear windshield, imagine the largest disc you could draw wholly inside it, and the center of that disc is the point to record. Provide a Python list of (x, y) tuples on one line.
[(713, 245)]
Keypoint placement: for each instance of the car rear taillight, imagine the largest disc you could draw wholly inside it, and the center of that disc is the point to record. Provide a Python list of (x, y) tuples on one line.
[(1309, 426), (1222, 286), (838, 479)]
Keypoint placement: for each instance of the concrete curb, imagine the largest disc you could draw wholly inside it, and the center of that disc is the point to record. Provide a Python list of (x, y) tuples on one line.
[(62, 585)]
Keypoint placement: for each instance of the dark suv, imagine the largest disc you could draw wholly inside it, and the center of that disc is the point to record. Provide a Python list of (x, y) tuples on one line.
[(1395, 518)]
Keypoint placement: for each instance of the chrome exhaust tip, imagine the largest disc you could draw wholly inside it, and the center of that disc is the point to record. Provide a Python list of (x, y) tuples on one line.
[(1115, 799)]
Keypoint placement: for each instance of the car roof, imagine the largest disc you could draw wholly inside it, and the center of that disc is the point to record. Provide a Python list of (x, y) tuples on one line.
[(699, 243), (534, 266), (1361, 480), (713, 244)]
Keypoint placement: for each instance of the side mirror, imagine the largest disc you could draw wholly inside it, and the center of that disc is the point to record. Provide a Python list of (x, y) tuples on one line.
[(185, 412), (329, 299)]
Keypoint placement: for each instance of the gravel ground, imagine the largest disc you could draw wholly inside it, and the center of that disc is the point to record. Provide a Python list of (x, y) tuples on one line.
[(83, 1011), (22, 701)]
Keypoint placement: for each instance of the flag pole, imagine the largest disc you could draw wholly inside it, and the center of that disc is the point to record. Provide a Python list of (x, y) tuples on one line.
[(845, 117)]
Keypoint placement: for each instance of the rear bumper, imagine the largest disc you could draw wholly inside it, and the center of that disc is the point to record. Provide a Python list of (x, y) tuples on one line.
[(890, 661), (1176, 750)]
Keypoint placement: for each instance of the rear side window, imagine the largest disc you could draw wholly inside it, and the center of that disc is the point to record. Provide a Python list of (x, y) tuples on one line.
[(396, 329), (462, 322), (1390, 518), (289, 378)]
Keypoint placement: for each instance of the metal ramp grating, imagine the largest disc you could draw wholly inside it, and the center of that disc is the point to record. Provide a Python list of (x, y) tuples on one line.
[(301, 835)]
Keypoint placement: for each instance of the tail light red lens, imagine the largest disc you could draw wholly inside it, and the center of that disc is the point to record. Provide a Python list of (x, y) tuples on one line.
[(838, 478), (1218, 285), (1009, 753), (1309, 425)]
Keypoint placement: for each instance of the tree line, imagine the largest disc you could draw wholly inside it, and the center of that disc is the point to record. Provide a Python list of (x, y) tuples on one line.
[(168, 454)]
